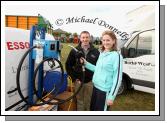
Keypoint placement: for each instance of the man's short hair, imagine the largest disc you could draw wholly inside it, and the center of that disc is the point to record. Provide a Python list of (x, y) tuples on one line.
[(84, 32)]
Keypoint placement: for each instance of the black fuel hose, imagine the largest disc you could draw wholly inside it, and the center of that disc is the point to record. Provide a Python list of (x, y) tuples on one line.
[(43, 101), (68, 99), (57, 90), (18, 75), (18, 80)]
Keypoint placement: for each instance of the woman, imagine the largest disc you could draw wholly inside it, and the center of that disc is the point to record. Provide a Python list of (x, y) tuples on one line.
[(107, 73)]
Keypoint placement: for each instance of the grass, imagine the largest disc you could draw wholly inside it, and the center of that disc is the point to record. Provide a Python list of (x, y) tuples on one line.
[(132, 100), (65, 51)]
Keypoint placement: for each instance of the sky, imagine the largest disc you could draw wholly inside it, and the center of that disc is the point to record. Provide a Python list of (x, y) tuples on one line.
[(107, 14)]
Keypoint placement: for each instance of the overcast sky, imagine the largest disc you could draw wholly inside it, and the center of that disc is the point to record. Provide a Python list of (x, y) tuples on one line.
[(113, 15)]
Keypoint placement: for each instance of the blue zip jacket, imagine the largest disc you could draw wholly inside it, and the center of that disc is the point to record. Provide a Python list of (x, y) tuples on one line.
[(106, 77)]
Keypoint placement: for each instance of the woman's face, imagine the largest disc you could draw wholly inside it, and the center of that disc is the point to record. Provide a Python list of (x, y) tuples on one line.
[(107, 42)]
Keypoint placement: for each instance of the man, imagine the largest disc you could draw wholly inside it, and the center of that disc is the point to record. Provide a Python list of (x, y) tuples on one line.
[(74, 70)]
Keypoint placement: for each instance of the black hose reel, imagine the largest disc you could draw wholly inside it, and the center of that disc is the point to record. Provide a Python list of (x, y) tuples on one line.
[(56, 88)]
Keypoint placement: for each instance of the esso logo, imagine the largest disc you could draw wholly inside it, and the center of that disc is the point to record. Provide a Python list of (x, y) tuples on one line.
[(17, 45)]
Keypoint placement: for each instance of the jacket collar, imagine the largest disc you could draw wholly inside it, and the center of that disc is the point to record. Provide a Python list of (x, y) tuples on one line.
[(80, 48), (105, 53)]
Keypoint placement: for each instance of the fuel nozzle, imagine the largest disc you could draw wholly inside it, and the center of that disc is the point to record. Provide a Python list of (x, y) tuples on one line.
[(79, 54)]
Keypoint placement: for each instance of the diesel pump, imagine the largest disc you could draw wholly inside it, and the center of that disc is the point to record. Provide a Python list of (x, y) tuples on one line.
[(40, 52)]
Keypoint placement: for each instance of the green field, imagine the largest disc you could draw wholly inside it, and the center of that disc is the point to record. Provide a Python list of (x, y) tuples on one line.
[(65, 51), (130, 101)]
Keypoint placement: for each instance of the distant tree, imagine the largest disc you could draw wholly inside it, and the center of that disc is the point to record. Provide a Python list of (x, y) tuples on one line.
[(91, 38), (57, 35), (75, 34), (67, 34)]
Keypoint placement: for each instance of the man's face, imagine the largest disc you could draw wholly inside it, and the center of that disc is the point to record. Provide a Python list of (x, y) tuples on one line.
[(85, 39)]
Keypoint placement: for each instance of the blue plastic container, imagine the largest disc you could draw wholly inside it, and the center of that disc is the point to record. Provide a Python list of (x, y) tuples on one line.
[(54, 78)]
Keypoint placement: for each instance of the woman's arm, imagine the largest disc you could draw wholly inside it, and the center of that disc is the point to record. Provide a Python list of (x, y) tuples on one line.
[(88, 65), (117, 77)]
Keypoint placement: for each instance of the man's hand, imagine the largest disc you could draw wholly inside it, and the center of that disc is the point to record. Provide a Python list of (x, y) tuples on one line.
[(82, 60)]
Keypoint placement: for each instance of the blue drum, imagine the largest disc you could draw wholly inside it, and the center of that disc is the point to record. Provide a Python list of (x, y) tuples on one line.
[(54, 78)]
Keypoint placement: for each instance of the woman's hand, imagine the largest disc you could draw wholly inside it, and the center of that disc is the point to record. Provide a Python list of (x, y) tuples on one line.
[(82, 60), (109, 102)]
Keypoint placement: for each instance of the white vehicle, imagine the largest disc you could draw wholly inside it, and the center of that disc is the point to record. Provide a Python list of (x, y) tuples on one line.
[(139, 62), (139, 52)]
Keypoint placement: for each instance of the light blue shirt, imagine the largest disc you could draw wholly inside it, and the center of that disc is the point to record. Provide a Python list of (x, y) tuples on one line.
[(106, 77)]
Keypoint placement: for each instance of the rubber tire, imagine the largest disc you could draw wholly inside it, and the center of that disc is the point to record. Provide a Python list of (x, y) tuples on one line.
[(123, 87)]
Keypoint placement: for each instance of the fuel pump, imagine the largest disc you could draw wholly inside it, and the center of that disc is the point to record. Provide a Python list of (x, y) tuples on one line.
[(41, 51)]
